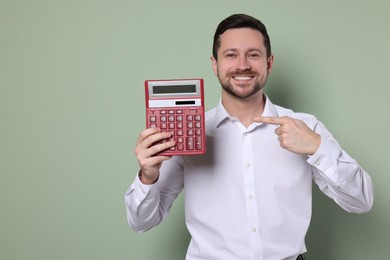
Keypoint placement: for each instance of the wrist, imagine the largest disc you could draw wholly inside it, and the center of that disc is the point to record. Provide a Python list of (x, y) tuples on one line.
[(146, 180), (316, 144)]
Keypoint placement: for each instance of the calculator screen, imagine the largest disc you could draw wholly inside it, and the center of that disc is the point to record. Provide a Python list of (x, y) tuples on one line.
[(177, 106), (158, 89), (171, 89)]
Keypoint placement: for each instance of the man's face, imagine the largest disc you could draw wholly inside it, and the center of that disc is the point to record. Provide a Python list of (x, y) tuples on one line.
[(242, 66)]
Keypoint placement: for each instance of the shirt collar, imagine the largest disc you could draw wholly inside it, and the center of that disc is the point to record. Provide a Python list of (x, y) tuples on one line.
[(222, 114)]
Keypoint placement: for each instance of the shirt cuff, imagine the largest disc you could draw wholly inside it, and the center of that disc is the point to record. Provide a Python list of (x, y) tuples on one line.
[(325, 159), (141, 190)]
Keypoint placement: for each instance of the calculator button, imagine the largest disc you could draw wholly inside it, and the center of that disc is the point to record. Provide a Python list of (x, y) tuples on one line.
[(179, 125), (179, 132), (171, 125), (179, 111), (171, 112), (198, 143), (190, 125), (198, 125), (190, 117), (163, 118), (190, 143), (179, 139), (180, 147), (163, 125), (198, 132), (171, 118), (153, 119), (198, 117), (179, 118), (163, 112), (190, 132)]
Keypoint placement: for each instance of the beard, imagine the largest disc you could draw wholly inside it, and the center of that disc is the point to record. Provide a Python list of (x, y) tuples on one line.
[(254, 87)]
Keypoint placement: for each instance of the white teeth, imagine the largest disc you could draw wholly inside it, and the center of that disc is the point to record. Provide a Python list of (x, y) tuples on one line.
[(242, 78)]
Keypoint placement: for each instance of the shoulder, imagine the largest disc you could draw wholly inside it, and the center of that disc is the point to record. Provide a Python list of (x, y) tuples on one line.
[(211, 112)]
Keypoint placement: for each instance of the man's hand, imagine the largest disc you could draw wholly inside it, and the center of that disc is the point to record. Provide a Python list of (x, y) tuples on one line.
[(146, 151), (293, 134)]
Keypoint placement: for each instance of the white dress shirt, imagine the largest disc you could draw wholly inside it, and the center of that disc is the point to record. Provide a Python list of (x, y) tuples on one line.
[(247, 198)]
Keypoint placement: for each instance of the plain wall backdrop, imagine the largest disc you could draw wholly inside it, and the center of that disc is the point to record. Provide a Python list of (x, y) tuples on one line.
[(72, 105)]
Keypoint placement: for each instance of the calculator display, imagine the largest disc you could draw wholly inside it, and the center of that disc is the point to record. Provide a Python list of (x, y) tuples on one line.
[(172, 89), (177, 106)]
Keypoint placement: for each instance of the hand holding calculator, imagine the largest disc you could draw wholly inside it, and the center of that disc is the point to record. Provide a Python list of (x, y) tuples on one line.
[(177, 106)]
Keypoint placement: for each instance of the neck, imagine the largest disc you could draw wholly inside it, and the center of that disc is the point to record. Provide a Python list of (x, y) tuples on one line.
[(244, 109)]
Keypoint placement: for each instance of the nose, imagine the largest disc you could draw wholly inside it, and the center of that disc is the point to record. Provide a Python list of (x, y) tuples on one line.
[(244, 63)]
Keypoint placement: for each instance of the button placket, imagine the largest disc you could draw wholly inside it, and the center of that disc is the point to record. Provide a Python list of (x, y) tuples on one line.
[(249, 182)]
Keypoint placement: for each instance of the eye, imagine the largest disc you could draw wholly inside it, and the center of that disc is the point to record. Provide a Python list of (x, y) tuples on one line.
[(230, 55), (254, 55)]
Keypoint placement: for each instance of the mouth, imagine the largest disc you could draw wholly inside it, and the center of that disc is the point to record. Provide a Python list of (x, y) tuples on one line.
[(242, 78)]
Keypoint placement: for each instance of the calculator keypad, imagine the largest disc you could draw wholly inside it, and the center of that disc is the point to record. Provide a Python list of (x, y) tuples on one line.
[(186, 126)]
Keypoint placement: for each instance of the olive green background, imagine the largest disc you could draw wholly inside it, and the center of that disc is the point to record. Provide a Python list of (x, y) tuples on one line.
[(72, 105)]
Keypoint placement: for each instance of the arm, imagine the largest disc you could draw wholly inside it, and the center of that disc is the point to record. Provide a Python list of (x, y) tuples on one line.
[(147, 205), (142, 206), (338, 175), (150, 196)]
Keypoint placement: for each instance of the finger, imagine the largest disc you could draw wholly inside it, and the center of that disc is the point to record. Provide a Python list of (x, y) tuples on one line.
[(144, 154), (270, 120), (146, 142), (278, 131), (157, 143), (146, 133), (157, 148), (151, 136)]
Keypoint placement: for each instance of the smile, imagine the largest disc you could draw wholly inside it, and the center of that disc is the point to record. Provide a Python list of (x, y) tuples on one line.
[(242, 78)]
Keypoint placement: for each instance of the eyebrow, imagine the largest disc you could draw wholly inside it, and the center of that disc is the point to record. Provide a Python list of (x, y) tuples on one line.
[(235, 50)]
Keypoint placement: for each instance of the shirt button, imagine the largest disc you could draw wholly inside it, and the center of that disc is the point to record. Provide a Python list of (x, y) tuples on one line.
[(248, 165), (318, 162), (250, 197), (253, 230)]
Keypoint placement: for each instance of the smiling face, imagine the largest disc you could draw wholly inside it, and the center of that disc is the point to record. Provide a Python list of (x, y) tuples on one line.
[(242, 66)]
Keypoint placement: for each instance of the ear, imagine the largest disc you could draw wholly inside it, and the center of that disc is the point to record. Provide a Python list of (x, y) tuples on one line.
[(214, 65), (270, 63)]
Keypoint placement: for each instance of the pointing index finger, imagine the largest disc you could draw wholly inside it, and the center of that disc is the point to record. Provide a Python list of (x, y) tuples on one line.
[(269, 120)]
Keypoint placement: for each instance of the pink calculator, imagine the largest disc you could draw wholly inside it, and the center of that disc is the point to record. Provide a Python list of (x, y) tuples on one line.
[(177, 106)]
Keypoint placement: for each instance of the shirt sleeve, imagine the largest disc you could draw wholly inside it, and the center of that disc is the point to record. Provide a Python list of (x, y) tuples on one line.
[(339, 176), (148, 205)]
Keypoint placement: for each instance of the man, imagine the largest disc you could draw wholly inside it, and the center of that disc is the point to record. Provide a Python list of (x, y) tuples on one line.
[(249, 196)]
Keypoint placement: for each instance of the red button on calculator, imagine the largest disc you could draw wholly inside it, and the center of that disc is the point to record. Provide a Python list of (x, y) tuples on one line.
[(177, 106)]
